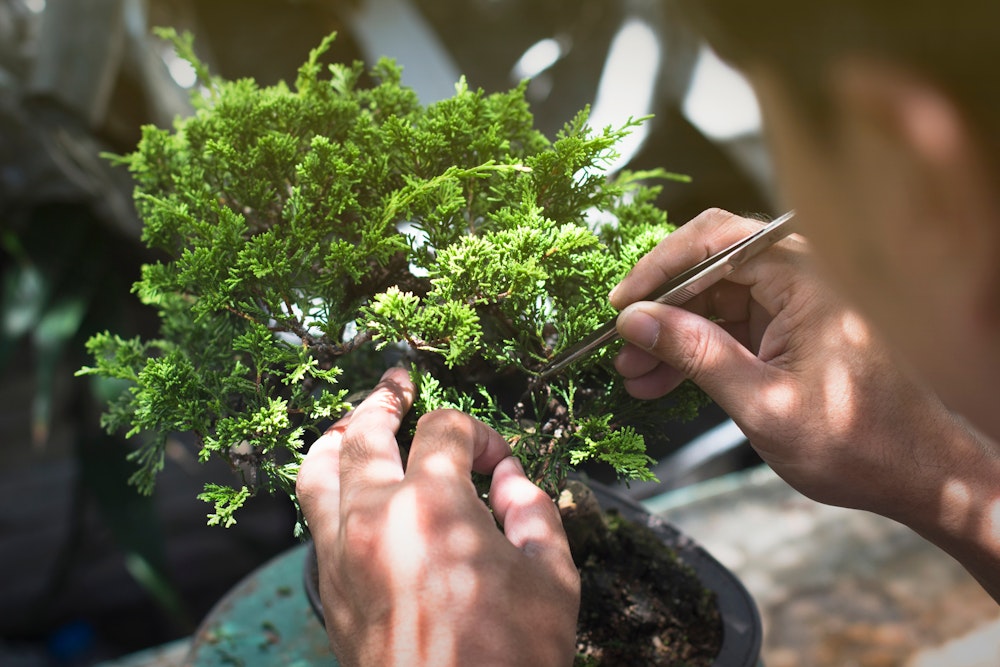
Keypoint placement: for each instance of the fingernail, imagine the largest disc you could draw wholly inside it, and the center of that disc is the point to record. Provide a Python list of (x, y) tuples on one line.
[(614, 290), (639, 328)]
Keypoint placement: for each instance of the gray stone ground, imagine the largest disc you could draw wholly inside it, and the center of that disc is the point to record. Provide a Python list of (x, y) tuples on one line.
[(837, 587)]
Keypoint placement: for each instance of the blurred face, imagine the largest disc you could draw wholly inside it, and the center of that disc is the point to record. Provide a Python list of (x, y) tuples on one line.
[(902, 217), (826, 185)]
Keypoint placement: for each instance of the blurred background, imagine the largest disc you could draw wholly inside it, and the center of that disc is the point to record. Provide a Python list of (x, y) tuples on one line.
[(89, 570)]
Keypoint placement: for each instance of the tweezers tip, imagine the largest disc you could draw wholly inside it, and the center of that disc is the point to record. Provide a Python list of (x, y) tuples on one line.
[(545, 373)]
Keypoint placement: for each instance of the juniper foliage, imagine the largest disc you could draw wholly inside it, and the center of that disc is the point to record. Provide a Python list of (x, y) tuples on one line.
[(314, 234)]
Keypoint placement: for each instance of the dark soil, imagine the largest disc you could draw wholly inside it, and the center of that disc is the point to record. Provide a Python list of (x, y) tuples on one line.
[(639, 604)]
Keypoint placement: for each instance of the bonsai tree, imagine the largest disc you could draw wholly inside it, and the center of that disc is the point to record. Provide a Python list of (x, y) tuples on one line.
[(314, 234)]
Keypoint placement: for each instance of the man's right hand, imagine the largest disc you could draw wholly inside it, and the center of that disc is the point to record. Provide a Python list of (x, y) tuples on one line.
[(803, 375)]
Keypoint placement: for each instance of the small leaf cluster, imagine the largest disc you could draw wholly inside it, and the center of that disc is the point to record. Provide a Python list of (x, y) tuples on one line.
[(313, 234)]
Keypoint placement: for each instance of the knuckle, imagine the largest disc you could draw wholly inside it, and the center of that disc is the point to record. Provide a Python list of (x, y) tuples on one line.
[(445, 420), (442, 415), (304, 484), (715, 214), (359, 532), (356, 447), (718, 227), (310, 482), (692, 352), (711, 219)]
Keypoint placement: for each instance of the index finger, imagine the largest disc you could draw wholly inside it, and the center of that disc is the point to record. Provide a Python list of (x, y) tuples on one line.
[(709, 232), (318, 484), (449, 443), (369, 453)]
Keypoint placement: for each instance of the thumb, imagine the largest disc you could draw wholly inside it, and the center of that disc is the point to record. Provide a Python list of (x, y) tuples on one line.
[(695, 347)]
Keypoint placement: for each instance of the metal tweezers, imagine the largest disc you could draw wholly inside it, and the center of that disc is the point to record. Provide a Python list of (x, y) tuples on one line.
[(682, 288)]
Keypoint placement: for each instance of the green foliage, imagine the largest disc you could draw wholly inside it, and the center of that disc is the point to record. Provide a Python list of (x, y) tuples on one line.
[(312, 235)]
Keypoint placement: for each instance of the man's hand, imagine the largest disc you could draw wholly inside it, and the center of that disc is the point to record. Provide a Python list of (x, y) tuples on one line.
[(804, 377), (816, 392), (413, 570)]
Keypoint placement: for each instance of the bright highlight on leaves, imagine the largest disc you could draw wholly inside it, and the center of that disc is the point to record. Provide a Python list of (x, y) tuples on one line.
[(314, 234)]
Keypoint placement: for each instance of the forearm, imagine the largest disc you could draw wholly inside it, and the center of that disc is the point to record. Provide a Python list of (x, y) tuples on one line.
[(955, 502)]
